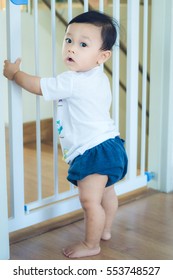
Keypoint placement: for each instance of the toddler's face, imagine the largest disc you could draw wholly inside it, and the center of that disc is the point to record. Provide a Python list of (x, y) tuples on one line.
[(81, 47)]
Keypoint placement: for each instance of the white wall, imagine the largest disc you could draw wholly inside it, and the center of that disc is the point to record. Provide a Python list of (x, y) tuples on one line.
[(161, 101)]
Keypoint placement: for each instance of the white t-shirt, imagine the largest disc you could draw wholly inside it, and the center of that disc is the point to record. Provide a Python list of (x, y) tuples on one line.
[(84, 100)]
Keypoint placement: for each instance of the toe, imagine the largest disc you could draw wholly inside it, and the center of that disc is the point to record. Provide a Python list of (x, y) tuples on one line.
[(67, 252)]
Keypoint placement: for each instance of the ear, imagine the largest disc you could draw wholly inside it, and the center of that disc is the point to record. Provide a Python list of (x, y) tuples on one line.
[(104, 56)]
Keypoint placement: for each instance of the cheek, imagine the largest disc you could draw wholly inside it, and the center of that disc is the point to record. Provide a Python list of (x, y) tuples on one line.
[(64, 46), (62, 51), (91, 55)]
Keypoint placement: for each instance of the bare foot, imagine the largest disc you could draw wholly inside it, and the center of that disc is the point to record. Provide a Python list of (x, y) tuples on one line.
[(80, 250), (106, 235)]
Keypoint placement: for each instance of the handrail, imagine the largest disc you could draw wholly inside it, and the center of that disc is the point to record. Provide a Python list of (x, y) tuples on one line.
[(122, 47)]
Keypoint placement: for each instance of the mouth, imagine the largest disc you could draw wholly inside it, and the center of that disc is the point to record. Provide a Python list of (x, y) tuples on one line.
[(69, 59)]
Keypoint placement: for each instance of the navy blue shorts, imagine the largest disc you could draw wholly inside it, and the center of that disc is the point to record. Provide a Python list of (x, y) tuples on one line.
[(108, 158)]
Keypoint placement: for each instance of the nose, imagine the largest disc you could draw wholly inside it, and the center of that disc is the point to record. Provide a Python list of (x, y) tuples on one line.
[(71, 49)]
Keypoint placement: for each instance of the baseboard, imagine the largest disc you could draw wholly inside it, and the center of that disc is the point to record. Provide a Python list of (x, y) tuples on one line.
[(135, 195), (29, 131)]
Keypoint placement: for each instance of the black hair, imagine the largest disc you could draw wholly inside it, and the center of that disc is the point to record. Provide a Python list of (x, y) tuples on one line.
[(108, 24)]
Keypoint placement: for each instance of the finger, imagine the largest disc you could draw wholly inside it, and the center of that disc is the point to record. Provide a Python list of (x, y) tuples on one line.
[(6, 61), (18, 61)]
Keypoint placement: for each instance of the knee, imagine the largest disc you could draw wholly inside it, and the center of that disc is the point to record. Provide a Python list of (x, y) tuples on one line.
[(88, 204)]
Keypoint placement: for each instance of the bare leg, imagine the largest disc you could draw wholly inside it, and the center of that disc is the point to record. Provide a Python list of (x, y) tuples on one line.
[(91, 190), (110, 205)]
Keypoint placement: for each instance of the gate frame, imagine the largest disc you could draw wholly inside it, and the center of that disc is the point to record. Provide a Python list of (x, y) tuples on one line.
[(4, 235)]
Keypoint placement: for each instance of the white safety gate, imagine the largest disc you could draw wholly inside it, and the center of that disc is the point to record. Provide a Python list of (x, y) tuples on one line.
[(22, 214)]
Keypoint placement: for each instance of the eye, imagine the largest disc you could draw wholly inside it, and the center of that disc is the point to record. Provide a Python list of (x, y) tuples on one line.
[(82, 44), (68, 40)]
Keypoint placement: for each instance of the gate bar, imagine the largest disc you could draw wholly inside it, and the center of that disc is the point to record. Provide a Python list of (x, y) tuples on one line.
[(15, 114), (54, 71), (144, 87), (101, 5), (4, 236), (70, 12), (38, 126), (115, 68), (132, 86), (85, 5)]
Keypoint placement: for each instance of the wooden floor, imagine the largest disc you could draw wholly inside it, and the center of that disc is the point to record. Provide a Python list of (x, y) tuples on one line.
[(143, 229)]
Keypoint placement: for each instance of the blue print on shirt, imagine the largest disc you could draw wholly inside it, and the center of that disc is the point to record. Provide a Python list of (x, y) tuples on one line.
[(59, 127)]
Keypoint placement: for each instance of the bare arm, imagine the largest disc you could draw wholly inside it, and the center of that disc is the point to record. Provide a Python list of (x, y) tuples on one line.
[(26, 81)]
